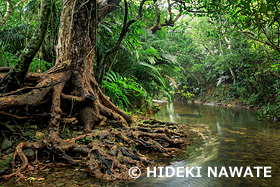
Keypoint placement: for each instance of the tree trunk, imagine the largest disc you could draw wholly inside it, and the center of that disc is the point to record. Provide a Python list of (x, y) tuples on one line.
[(76, 51), (113, 150)]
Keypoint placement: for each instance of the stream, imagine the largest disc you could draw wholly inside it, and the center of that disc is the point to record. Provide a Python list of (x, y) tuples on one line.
[(237, 139)]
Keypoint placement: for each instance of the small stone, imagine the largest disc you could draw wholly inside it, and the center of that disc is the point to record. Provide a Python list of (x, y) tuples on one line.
[(114, 150), (6, 144), (5, 164), (29, 153)]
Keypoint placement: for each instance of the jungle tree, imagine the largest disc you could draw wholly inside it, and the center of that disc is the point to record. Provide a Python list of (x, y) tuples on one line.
[(110, 152)]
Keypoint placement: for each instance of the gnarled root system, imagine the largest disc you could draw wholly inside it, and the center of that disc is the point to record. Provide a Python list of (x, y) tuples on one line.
[(111, 142), (109, 153)]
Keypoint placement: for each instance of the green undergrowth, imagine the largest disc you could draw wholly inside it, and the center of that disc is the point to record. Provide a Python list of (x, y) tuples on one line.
[(126, 93), (268, 105)]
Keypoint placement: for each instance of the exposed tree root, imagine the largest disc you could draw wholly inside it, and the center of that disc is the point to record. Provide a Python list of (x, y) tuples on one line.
[(108, 153), (35, 96), (110, 145), (15, 116)]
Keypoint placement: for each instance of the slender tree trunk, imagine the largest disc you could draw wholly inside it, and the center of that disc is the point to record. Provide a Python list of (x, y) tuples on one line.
[(7, 14), (16, 76), (9, 11)]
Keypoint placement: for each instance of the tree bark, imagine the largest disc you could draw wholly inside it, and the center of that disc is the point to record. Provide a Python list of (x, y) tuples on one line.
[(76, 53)]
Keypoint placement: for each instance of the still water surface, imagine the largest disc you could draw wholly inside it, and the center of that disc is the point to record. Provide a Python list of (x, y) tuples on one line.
[(237, 139)]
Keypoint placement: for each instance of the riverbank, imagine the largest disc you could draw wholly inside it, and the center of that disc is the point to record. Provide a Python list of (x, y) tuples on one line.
[(269, 110), (234, 104), (264, 112)]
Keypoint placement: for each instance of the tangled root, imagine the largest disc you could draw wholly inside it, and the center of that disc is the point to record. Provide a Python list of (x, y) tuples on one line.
[(109, 153)]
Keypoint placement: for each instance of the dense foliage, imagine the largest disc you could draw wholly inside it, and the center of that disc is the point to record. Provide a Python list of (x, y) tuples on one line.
[(217, 51)]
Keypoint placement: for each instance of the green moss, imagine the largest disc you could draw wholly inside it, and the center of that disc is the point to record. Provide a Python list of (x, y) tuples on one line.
[(5, 164)]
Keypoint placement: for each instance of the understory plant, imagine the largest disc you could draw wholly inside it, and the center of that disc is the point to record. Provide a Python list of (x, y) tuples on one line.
[(126, 93)]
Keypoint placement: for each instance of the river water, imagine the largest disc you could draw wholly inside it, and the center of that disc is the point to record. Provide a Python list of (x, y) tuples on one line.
[(237, 139)]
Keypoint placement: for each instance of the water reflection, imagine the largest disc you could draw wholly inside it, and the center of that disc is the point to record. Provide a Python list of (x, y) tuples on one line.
[(238, 139)]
